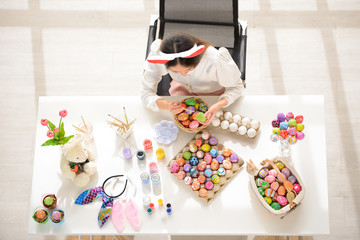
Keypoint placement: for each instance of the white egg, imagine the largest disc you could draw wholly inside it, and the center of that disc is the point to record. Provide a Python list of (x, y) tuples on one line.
[(233, 127), (251, 132), (236, 118), (242, 130), (254, 124), (245, 121), (215, 122), (219, 113), (225, 124), (228, 116)]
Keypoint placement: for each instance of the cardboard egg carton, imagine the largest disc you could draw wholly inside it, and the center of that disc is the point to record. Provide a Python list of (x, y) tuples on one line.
[(239, 123), (223, 179)]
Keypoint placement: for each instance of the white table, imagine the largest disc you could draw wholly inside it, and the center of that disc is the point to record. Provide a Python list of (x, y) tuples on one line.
[(235, 211)]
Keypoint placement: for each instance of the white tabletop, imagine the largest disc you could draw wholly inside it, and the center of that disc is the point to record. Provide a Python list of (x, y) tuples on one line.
[(235, 211)]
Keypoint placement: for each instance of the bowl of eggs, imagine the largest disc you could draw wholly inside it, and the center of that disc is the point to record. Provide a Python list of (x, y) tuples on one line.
[(192, 117), (235, 123)]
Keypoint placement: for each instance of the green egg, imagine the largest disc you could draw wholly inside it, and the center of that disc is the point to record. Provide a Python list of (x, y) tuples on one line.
[(261, 191), (292, 123), (187, 155), (275, 205)]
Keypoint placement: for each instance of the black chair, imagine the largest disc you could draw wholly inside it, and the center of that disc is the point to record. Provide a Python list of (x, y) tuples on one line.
[(215, 21)]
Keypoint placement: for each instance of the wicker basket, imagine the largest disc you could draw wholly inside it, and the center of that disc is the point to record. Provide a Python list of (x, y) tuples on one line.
[(270, 164), (190, 130)]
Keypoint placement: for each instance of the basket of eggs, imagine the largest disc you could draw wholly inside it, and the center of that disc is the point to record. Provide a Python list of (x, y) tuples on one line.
[(192, 117)]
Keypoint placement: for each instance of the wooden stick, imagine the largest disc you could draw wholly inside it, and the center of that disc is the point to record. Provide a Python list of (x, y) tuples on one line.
[(79, 129), (127, 122), (84, 122), (117, 119), (115, 124)]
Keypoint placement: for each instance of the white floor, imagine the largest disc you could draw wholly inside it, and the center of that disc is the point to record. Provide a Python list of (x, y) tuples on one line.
[(93, 47)]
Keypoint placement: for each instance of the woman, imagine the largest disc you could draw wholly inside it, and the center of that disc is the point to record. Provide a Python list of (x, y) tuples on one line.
[(197, 69)]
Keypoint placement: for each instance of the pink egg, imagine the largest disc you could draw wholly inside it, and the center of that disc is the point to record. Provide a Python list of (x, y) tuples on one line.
[(292, 131), (300, 135), (281, 200), (273, 172), (289, 116), (208, 158), (297, 188), (274, 186), (194, 124), (270, 178)]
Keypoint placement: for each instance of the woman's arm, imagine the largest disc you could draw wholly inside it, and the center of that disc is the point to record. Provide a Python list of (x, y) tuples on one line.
[(210, 114)]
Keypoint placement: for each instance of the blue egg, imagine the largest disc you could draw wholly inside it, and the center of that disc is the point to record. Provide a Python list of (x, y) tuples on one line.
[(284, 126), (194, 161), (208, 173), (213, 152)]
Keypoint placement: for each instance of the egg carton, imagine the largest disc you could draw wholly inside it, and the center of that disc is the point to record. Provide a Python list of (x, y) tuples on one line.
[(223, 179), (254, 173), (220, 117)]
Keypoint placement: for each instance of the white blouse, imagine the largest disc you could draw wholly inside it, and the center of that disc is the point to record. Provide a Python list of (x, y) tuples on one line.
[(215, 70)]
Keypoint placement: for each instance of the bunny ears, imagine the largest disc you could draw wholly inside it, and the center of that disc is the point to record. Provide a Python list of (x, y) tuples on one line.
[(166, 57)]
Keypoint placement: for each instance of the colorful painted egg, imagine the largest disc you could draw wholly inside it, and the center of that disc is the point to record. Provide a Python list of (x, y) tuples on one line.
[(215, 179), (195, 185), (270, 178), (201, 166), (203, 193), (201, 179), (280, 165), (208, 173), (187, 167), (188, 180), (281, 190), (180, 175), (213, 141), (234, 158), (284, 126), (300, 135), (261, 191), (194, 124), (202, 107), (292, 123), (289, 116), (281, 200), (220, 158), (193, 148), (263, 172), (273, 172), (283, 134), (292, 179), (199, 142), (206, 147), (275, 123), (299, 119), (274, 137), (193, 116), (268, 200), (227, 164), (286, 172), (276, 131), (208, 158), (194, 161), (269, 193), (213, 152), (214, 165), (183, 117), (280, 179), (205, 135), (200, 154), (194, 173), (190, 110), (187, 155), (175, 167), (297, 188), (186, 123), (209, 185), (275, 205), (292, 131), (265, 184), (226, 152), (181, 162), (292, 140), (221, 172), (274, 186), (300, 127), (258, 182), (281, 117), (190, 102), (196, 106)]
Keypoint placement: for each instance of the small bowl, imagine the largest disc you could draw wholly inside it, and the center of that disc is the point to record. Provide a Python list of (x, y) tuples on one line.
[(57, 216), (40, 215)]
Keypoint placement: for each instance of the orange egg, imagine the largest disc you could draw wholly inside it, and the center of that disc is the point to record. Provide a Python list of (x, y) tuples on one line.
[(181, 162), (226, 152), (281, 191)]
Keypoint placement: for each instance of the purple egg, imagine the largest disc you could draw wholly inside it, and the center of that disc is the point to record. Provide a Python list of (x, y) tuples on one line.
[(292, 179), (234, 158), (220, 158), (286, 172), (278, 177), (281, 117), (187, 167)]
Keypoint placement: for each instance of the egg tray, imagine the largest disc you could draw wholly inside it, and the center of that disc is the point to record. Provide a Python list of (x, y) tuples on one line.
[(223, 180), (285, 209), (248, 126)]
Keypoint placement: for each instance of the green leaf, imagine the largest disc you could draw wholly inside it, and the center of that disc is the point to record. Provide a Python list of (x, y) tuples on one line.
[(65, 139), (51, 142), (51, 125), (61, 131)]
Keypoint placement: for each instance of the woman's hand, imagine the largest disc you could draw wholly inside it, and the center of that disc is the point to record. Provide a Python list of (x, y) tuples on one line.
[(175, 107), (211, 113)]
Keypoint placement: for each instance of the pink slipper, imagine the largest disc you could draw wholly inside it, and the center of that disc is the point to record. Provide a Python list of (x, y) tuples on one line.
[(132, 214), (117, 216)]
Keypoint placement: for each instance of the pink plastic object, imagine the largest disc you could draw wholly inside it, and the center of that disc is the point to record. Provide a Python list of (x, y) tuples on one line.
[(147, 144), (132, 214), (153, 167), (117, 216)]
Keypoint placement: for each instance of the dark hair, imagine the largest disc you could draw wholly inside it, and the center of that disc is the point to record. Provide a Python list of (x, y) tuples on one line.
[(180, 42)]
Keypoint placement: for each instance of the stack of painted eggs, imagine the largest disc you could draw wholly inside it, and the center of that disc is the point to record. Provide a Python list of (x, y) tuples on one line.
[(193, 112), (287, 127), (271, 186), (204, 165), (235, 123)]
